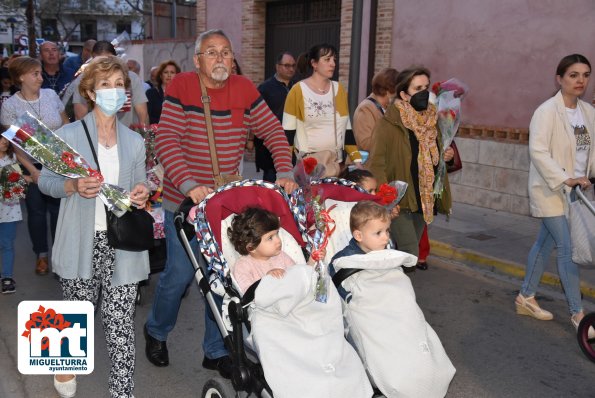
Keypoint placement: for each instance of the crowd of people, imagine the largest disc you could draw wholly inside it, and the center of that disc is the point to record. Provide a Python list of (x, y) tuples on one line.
[(207, 118)]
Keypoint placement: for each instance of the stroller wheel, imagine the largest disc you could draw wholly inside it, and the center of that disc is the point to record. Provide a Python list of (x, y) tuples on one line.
[(587, 345), (218, 388)]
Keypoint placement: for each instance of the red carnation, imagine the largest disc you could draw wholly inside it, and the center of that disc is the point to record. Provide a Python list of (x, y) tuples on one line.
[(13, 177), (309, 165), (22, 136), (387, 194), (7, 195), (436, 87), (96, 174)]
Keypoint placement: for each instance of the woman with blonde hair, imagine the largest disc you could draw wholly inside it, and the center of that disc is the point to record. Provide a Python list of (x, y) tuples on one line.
[(45, 105), (82, 257)]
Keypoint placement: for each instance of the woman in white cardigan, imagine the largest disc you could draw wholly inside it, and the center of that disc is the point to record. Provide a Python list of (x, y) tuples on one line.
[(562, 152)]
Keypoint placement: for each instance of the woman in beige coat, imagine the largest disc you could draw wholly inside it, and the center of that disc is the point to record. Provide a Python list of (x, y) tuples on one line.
[(562, 151), (372, 108)]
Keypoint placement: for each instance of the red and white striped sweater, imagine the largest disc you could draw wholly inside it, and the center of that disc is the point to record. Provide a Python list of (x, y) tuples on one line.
[(182, 144)]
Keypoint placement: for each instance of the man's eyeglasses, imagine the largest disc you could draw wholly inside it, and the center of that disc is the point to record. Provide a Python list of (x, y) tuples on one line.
[(288, 66), (213, 54)]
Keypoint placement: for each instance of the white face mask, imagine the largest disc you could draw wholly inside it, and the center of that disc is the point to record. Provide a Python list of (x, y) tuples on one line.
[(110, 100)]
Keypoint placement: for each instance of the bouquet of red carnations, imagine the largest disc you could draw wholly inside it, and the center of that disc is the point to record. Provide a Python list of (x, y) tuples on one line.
[(312, 210), (12, 183), (148, 133), (448, 97), (39, 142), (392, 193)]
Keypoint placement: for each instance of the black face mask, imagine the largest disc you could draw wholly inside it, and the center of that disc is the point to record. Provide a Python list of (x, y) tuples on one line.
[(419, 100)]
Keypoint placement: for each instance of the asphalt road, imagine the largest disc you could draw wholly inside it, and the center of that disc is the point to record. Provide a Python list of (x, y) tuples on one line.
[(496, 352)]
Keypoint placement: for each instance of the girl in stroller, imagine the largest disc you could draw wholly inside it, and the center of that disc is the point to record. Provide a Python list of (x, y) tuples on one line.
[(255, 235)]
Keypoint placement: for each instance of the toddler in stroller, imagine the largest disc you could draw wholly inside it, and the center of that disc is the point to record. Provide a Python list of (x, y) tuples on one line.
[(287, 326), (401, 352)]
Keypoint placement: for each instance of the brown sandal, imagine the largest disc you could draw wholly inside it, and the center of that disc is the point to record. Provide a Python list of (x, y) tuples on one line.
[(41, 266)]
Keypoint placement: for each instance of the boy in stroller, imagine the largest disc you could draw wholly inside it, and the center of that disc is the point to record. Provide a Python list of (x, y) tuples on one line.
[(400, 350)]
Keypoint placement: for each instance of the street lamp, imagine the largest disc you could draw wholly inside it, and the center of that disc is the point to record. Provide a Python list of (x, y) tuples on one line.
[(12, 21)]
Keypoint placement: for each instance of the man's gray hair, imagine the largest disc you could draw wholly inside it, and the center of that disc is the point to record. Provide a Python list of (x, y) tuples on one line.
[(136, 65), (206, 35)]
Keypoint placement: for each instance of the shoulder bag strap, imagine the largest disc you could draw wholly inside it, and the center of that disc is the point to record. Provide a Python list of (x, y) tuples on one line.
[(94, 155), (375, 102), (206, 101), (335, 117), (91, 144)]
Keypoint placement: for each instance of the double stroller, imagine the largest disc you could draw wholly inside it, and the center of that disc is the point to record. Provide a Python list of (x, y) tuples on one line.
[(314, 359)]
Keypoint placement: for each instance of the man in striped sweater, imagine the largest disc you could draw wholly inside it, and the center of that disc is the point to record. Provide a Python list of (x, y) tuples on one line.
[(183, 149)]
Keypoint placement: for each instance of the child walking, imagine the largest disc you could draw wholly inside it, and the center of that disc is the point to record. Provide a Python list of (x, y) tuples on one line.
[(10, 215), (255, 235)]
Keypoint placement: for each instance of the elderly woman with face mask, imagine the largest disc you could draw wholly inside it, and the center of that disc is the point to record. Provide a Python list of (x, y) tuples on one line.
[(81, 256), (408, 146)]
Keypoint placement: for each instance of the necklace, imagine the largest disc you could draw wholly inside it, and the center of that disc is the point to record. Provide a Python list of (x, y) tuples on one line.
[(37, 111), (106, 137), (52, 80), (323, 90)]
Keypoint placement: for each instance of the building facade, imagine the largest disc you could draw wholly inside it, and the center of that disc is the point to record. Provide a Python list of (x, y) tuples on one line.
[(506, 51)]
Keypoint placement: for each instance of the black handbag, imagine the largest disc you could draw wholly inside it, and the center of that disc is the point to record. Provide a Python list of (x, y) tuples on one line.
[(132, 231)]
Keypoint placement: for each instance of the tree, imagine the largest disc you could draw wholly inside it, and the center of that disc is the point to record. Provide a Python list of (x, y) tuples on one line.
[(58, 11)]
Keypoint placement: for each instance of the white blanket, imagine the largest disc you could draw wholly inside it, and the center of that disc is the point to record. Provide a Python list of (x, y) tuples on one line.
[(400, 350), (300, 342)]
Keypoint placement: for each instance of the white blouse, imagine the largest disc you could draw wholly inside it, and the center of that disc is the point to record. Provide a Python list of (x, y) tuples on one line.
[(110, 169)]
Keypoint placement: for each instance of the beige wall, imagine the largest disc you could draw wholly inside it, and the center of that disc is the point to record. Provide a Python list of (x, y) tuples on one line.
[(506, 50), (494, 175), (152, 52)]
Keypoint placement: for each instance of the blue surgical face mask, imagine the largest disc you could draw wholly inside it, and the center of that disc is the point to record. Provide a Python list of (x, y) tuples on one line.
[(110, 100)]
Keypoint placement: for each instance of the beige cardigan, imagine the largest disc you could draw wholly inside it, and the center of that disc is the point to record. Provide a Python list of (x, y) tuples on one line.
[(552, 148), (365, 117)]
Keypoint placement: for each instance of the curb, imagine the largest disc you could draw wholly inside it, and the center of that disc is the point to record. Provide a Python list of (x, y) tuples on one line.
[(446, 250)]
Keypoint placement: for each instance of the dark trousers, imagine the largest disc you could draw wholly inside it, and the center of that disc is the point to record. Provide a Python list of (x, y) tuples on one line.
[(38, 205)]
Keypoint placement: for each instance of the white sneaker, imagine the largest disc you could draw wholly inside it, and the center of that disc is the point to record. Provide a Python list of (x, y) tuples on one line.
[(65, 389)]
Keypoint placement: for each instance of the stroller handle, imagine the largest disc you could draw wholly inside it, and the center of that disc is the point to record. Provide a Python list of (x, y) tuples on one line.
[(180, 218), (583, 198)]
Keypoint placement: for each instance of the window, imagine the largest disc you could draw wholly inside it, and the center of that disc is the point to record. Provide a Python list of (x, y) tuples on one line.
[(88, 30), (49, 29), (123, 26)]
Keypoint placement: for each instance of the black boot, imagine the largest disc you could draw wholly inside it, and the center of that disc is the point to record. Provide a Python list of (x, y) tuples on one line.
[(156, 350)]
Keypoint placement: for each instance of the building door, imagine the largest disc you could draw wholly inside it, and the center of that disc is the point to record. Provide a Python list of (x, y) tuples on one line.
[(297, 25)]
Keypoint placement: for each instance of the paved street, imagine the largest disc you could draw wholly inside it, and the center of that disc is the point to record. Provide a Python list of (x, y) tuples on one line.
[(496, 353)]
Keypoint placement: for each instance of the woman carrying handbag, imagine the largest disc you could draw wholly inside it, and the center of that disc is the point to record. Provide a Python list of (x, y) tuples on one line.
[(561, 148), (81, 256)]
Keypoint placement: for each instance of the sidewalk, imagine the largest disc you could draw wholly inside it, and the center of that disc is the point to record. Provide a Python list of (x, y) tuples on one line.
[(493, 240), (496, 241)]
